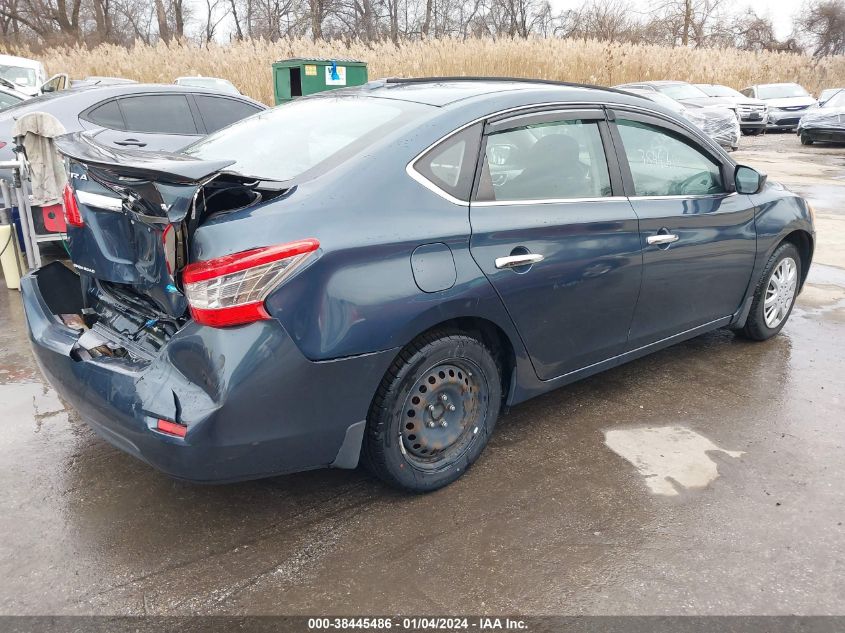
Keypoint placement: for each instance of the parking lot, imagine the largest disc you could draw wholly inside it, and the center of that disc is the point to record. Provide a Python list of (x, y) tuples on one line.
[(704, 479)]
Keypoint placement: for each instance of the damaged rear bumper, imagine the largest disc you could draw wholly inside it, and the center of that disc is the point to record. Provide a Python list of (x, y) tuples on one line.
[(253, 405)]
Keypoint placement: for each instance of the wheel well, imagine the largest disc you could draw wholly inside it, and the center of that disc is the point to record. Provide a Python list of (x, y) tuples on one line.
[(493, 337), (803, 241)]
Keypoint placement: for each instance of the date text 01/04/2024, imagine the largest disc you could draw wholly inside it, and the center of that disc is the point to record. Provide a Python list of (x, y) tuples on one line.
[(418, 623)]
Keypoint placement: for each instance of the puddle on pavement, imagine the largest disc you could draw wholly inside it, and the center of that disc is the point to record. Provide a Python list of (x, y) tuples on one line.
[(25, 402), (671, 458)]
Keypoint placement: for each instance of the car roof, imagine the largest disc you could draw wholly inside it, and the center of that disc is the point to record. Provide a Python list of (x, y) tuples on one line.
[(445, 91), (23, 62), (661, 82), (77, 99), (203, 77)]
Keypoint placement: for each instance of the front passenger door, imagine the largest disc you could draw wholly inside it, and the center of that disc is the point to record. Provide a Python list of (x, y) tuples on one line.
[(555, 237), (698, 235)]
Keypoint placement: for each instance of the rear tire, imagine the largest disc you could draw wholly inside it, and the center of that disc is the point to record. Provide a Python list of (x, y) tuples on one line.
[(756, 132), (775, 294), (433, 412)]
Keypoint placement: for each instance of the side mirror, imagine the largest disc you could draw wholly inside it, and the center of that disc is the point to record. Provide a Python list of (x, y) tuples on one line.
[(748, 180)]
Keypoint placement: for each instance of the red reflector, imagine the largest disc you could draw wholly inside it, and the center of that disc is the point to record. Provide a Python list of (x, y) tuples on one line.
[(72, 214), (2, 144), (171, 428)]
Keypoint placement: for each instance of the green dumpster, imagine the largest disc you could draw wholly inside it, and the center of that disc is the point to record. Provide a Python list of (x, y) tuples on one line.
[(299, 76)]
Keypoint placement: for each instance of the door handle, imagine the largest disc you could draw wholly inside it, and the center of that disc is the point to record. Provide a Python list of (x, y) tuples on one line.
[(131, 141), (662, 238), (515, 261)]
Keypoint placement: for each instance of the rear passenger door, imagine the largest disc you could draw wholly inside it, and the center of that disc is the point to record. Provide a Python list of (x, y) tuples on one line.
[(554, 234), (160, 121), (698, 234)]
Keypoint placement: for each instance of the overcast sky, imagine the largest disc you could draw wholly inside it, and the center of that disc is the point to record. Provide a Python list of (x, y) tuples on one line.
[(780, 11)]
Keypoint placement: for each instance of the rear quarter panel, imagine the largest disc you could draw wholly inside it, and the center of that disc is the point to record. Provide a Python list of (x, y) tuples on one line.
[(359, 295)]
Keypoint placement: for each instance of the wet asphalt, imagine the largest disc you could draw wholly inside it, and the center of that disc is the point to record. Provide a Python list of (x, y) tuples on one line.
[(574, 508)]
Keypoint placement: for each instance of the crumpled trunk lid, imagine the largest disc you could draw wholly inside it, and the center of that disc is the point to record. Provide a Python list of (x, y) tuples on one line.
[(139, 210)]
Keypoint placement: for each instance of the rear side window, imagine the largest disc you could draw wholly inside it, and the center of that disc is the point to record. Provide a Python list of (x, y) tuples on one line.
[(158, 114), (667, 164), (450, 165), (546, 161), (218, 112), (107, 115)]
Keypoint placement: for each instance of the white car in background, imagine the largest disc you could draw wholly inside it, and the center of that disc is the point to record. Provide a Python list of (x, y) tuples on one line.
[(24, 75), (787, 103), (719, 123)]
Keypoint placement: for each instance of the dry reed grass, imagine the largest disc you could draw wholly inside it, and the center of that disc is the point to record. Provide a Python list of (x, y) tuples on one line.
[(247, 64)]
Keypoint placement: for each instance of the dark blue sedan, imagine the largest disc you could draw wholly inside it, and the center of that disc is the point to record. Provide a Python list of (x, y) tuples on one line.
[(375, 273)]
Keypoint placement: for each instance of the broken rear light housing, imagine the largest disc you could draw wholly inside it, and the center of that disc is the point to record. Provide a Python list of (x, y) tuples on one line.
[(73, 217), (231, 290)]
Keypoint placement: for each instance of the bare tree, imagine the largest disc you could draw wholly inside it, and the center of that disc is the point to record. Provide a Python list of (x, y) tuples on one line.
[(821, 23), (689, 21)]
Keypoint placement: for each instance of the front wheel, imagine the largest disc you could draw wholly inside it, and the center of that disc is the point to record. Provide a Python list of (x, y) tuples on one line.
[(806, 139), (775, 295), (433, 413)]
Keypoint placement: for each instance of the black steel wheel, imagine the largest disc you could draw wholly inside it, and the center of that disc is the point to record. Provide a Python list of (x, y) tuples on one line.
[(433, 412)]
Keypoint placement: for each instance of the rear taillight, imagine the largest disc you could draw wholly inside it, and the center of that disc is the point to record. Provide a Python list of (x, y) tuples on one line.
[(72, 215), (231, 290), (171, 428)]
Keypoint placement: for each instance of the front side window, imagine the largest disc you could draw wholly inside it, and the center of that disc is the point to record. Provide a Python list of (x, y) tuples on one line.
[(158, 114), (546, 161), (667, 164)]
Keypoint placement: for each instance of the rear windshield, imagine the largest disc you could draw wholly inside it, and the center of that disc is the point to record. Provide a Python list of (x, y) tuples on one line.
[(681, 91), (287, 141), (780, 91), (721, 91)]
